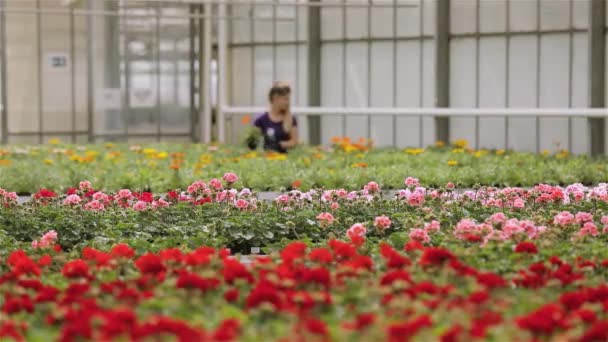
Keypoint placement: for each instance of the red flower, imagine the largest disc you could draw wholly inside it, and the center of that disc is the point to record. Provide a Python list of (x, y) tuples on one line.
[(342, 250), (234, 269), (586, 315), (45, 260), (21, 264), (413, 245), (46, 294), (526, 247), (150, 264), (122, 251), (597, 332), (479, 297), (188, 280), (362, 321), (317, 275), (490, 280), (171, 254), (10, 330), (485, 320), (231, 295), (392, 257), (543, 321), (17, 304), (392, 276), (316, 327), (452, 334), (435, 256), (293, 251), (404, 331), (71, 191), (264, 292), (158, 326), (45, 193), (75, 269), (57, 248), (321, 255), (228, 330), (173, 195), (573, 300), (101, 258), (144, 196)]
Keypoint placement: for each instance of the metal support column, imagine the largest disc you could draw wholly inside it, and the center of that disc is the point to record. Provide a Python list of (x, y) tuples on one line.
[(314, 72), (204, 69), (112, 72), (597, 79), (4, 112), (222, 45), (442, 68), (90, 76)]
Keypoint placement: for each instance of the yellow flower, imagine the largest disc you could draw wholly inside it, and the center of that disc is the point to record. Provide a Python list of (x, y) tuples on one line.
[(458, 150), (360, 155), (48, 161), (500, 152), (414, 151), (162, 155), (113, 155), (92, 154), (74, 157), (439, 143), (149, 151), (109, 145), (55, 141), (306, 161), (480, 153), (452, 162), (460, 143), (276, 156), (562, 154), (544, 153), (251, 155), (205, 159)]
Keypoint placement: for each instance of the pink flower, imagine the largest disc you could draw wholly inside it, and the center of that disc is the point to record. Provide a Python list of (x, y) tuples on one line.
[(50, 236), (564, 218), (412, 182), (245, 193), (124, 194), (241, 204), (519, 203), (450, 186), (382, 222), (341, 193), (85, 186), (420, 235), (589, 228), (196, 186), (335, 206), (372, 187), (140, 206), (325, 219), (71, 199), (100, 196), (434, 226), (230, 178), (497, 218), (356, 230), (35, 244), (161, 203), (582, 217), (415, 199), (216, 184), (94, 205), (604, 220)]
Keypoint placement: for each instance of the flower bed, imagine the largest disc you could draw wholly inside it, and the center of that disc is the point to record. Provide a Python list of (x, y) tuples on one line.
[(158, 168), (428, 264), (332, 292)]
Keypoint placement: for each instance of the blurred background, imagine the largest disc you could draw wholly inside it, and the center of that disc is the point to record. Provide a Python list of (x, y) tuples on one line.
[(518, 74)]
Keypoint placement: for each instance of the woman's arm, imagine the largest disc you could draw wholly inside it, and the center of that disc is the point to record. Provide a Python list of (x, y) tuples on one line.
[(293, 139)]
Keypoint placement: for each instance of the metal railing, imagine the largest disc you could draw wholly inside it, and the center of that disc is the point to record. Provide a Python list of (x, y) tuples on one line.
[(305, 112)]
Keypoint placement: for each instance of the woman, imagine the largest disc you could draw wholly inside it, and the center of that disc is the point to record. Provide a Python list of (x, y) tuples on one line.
[(278, 125)]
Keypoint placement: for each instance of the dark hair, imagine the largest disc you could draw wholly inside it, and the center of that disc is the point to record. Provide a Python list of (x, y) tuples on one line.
[(280, 89)]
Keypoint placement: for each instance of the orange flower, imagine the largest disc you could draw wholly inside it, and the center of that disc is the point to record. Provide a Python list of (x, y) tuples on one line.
[(296, 183), (245, 120), (5, 162), (359, 165)]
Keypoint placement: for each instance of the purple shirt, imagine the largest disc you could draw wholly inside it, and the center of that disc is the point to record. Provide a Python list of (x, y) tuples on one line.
[(273, 132)]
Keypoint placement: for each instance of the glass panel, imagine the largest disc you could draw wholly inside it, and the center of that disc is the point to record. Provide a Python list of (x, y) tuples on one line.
[(241, 73), (356, 74), (382, 21), (382, 74), (331, 22), (463, 16), (492, 16), (554, 14), (522, 15)]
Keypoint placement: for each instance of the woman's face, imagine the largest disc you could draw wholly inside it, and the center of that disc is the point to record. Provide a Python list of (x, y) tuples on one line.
[(281, 103)]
